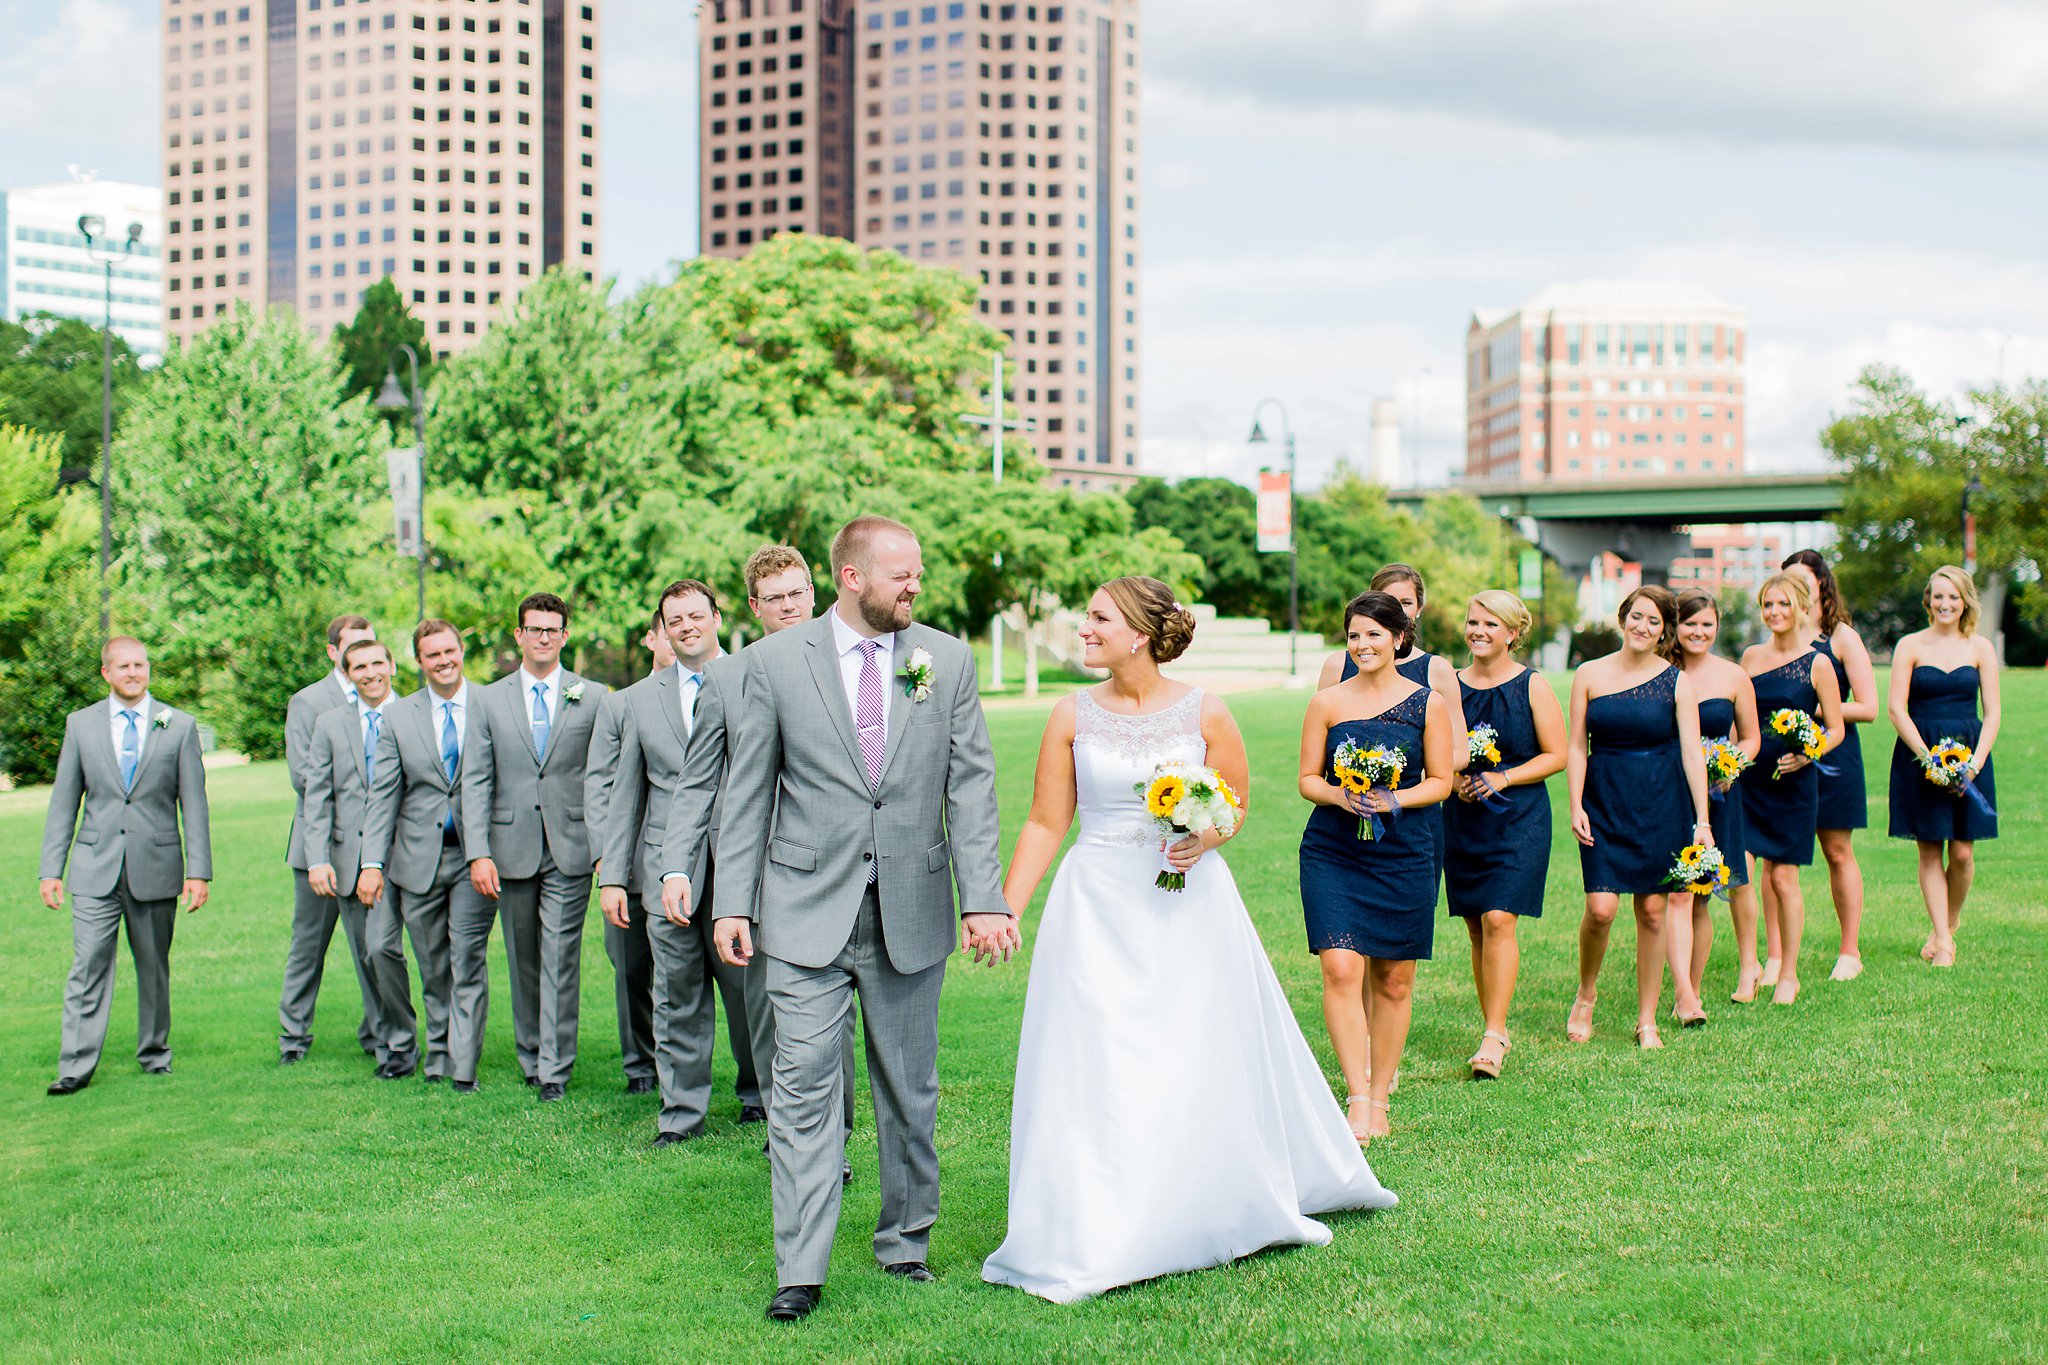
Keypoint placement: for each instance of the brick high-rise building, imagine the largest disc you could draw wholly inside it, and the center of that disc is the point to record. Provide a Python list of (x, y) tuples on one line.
[(313, 147), (1605, 380), (998, 139)]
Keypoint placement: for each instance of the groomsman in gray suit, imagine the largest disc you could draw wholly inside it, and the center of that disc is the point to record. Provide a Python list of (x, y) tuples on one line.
[(339, 776), (413, 840), (780, 594), (313, 915), (862, 793), (625, 943), (523, 830), (660, 714), (133, 764)]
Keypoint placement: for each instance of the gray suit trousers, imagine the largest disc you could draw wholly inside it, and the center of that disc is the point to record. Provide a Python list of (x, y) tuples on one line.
[(689, 980), (313, 919), (89, 990), (544, 917), (427, 920), (806, 1131), (469, 971), (633, 988)]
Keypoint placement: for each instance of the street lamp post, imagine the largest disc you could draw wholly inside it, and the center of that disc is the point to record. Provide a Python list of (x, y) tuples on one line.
[(93, 227), (997, 424), (1258, 438), (393, 399)]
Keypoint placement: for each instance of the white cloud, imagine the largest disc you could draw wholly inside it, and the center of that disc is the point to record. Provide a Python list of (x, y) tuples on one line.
[(80, 80)]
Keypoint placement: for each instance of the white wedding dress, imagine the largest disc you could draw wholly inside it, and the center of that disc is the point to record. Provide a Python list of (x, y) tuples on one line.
[(1168, 1114)]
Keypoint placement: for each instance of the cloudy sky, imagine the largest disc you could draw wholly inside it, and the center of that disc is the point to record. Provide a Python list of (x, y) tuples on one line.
[(1331, 186)]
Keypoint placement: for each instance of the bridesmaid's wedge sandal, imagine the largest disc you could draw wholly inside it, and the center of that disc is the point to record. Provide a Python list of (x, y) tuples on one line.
[(1356, 1131), (1578, 1026), (1647, 1037), (1485, 1068)]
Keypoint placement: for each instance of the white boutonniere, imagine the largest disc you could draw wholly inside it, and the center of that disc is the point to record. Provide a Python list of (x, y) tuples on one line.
[(573, 693), (918, 675), (162, 719)]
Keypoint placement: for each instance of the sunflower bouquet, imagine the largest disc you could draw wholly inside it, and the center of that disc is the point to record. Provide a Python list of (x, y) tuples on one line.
[(1482, 753), (1700, 869), (1360, 769), (1947, 765), (1799, 730), (1184, 799), (1725, 762)]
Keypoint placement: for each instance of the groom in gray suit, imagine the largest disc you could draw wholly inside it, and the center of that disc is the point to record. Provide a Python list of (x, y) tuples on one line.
[(862, 792), (133, 763), (523, 832)]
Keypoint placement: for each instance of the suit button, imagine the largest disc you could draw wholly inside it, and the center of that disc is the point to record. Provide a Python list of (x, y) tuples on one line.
[(867, 857), (536, 807), (878, 805)]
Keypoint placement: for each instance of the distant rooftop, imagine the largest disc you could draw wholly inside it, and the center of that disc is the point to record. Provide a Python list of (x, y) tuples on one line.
[(1612, 296)]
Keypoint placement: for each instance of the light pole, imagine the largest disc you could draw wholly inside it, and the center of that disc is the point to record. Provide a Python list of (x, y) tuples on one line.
[(1258, 438), (1973, 488), (92, 227), (391, 398), (997, 424)]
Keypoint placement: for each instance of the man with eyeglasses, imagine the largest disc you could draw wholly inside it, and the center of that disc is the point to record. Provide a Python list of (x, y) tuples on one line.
[(524, 835)]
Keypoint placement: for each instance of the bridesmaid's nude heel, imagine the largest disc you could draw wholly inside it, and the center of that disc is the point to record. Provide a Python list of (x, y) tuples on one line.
[(1770, 976), (1485, 1068), (1745, 988), (1366, 1100), (1578, 1026), (1647, 1037)]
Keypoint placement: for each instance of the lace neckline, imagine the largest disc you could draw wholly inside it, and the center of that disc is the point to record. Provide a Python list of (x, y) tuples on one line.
[(1104, 714), (1668, 671)]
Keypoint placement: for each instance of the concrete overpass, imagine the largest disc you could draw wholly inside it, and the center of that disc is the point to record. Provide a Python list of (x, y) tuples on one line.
[(1642, 519)]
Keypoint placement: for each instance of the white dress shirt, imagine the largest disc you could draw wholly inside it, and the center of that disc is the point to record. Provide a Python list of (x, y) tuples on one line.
[(689, 690), (348, 689), (551, 694), (142, 710), (847, 641)]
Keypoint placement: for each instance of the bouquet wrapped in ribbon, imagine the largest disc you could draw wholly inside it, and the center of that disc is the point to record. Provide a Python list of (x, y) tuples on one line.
[(1700, 869), (1803, 732), (1184, 799), (1725, 762), (1482, 752), (1360, 770), (1947, 765)]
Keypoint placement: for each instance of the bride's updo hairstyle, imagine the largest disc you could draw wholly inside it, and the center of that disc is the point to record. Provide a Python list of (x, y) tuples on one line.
[(1387, 611), (1149, 608)]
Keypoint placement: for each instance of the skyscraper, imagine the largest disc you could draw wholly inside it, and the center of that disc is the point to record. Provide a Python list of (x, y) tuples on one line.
[(313, 147), (45, 268), (997, 139), (1605, 380)]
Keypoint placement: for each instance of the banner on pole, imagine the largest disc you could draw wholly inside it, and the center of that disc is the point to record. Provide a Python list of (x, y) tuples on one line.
[(1532, 575), (1276, 513), (403, 466)]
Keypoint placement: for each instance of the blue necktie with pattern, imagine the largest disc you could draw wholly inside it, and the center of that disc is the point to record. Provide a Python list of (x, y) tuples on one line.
[(451, 753), (540, 720), (370, 747), (131, 751)]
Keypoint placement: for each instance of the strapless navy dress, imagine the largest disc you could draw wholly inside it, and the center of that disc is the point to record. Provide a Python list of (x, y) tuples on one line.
[(1635, 797), (1374, 896), (1717, 721), (1782, 813), (1943, 705), (1844, 801), (1497, 860)]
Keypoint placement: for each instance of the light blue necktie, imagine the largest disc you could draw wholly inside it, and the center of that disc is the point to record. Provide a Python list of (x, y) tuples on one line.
[(370, 747), (540, 720), (693, 687), (451, 752), (131, 751)]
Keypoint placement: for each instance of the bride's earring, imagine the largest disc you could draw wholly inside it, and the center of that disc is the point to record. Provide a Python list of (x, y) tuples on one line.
[(1134, 646)]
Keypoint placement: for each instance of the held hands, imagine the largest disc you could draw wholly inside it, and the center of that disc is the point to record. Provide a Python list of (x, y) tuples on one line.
[(1582, 827), (733, 936), (369, 885), (675, 901), (321, 878), (612, 900), (483, 875), (195, 893), (1791, 763), (991, 938), (1369, 803)]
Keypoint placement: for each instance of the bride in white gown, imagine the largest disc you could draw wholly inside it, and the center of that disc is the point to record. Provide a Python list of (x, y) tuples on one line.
[(1168, 1114)]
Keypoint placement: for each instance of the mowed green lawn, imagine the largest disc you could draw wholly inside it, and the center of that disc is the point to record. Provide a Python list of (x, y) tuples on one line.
[(1859, 1177)]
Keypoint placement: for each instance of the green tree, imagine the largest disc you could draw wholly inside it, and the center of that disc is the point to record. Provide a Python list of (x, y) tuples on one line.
[(369, 344), (50, 381), (1217, 520), (49, 614), (243, 497)]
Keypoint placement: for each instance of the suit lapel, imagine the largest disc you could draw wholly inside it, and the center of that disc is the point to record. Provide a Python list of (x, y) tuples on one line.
[(670, 700), (152, 740), (825, 673), (362, 768), (430, 737), (564, 680), (899, 703), (522, 713), (99, 728)]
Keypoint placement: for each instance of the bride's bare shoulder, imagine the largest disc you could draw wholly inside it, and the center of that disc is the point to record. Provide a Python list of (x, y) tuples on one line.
[(1060, 725)]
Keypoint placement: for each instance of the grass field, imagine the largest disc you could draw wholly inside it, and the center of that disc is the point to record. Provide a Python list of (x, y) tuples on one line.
[(1860, 1177)]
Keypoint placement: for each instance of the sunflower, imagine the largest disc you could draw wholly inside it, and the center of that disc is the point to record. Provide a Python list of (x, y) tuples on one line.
[(1164, 794)]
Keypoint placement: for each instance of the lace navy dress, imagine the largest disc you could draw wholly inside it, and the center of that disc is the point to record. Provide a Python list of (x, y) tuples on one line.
[(1635, 795), (1374, 896), (1783, 812), (1943, 705), (1844, 803), (1503, 856), (1415, 668), (1724, 809)]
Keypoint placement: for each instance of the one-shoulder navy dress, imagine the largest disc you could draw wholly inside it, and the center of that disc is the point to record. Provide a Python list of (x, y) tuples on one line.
[(1724, 812), (1497, 860), (1943, 705), (1844, 801), (1374, 896), (1635, 796), (1782, 813), (1415, 668)]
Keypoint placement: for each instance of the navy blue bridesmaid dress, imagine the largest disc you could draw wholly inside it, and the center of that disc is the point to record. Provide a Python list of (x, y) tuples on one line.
[(1724, 810), (1503, 856), (1844, 802), (1415, 668), (1942, 704), (1782, 813), (1635, 795), (1374, 896)]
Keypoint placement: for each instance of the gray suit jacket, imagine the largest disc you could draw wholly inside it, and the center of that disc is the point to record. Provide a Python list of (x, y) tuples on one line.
[(654, 745), (697, 804), (513, 803), (308, 704), (603, 800), (338, 795), (801, 823), (137, 828), (412, 795)]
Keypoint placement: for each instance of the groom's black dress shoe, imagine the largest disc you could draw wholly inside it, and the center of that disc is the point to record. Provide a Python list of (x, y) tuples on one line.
[(753, 1113), (640, 1085), (71, 1085), (551, 1091), (916, 1271), (793, 1303)]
